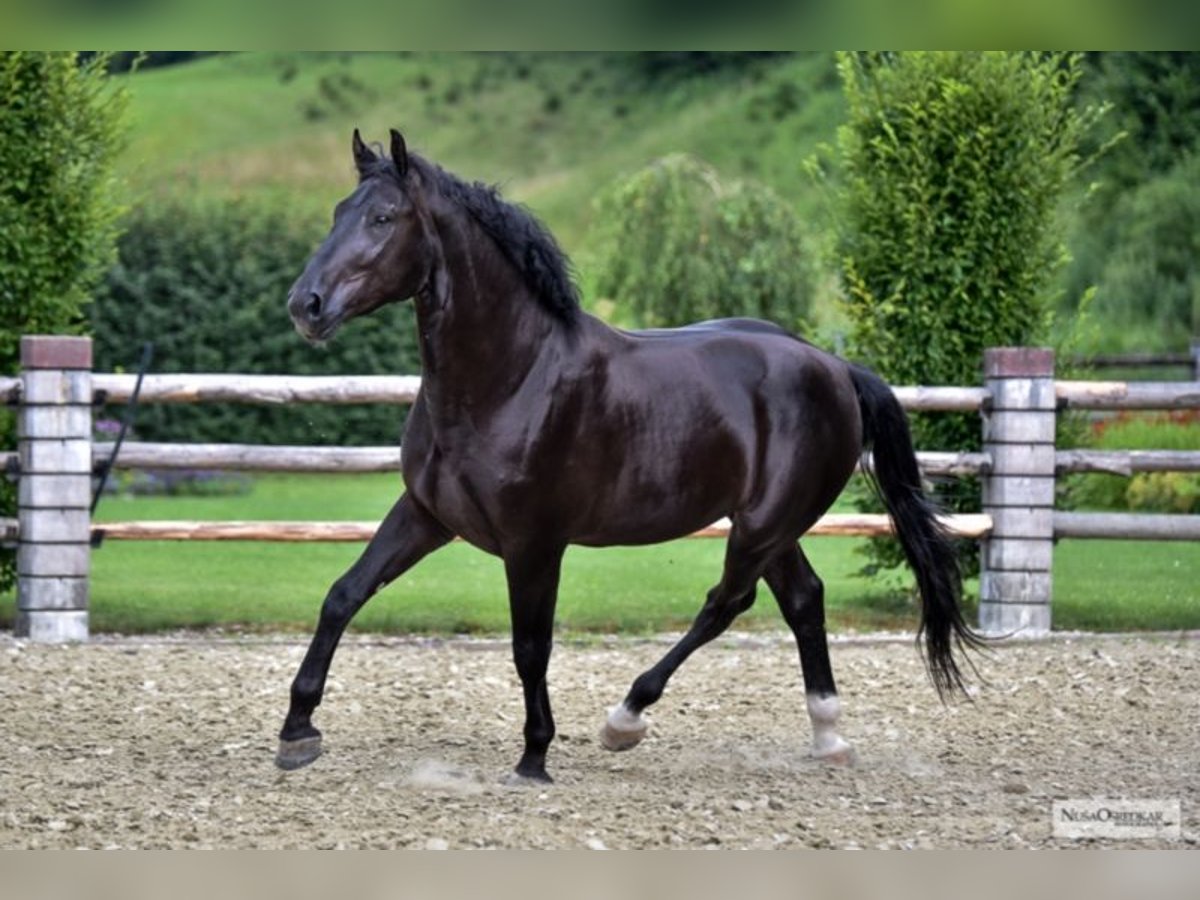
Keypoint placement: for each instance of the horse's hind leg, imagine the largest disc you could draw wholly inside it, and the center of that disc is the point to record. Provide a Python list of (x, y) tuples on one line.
[(801, 598), (406, 535), (625, 726)]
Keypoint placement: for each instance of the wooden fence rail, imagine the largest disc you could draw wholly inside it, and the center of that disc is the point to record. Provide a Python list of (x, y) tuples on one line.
[(1127, 462), (394, 389), (261, 389), (248, 457), (1190, 360), (838, 525), (1133, 360), (1018, 467), (286, 458), (1127, 526), (1128, 394)]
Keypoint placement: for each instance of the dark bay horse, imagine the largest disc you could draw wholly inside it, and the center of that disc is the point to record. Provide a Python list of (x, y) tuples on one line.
[(538, 426)]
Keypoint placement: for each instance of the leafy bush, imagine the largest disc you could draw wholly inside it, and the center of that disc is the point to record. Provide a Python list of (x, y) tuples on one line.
[(61, 126), (1173, 492), (952, 165), (1148, 289), (1167, 492), (1135, 240), (207, 284), (679, 245), (1152, 125)]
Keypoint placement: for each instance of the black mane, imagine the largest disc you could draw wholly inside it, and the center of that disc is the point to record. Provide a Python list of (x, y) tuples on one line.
[(523, 240)]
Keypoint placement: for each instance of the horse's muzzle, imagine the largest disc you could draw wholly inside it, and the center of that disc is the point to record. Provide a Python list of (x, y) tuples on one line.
[(309, 312)]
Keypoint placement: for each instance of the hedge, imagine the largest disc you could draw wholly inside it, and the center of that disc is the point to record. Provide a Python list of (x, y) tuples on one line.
[(207, 284)]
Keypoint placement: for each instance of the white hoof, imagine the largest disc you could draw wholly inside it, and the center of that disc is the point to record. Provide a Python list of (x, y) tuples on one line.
[(623, 729), (835, 752), (828, 745)]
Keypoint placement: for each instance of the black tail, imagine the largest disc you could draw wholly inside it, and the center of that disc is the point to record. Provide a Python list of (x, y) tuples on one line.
[(897, 480)]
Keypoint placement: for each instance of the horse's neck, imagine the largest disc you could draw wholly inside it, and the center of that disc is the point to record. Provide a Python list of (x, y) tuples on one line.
[(480, 331)]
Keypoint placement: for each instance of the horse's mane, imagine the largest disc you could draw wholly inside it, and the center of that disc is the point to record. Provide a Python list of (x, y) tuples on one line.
[(523, 240)]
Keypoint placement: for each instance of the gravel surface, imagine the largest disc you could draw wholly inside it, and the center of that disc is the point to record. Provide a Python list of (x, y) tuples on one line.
[(168, 742)]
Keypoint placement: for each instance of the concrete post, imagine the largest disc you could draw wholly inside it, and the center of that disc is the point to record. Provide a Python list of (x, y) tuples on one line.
[(1018, 493), (54, 492)]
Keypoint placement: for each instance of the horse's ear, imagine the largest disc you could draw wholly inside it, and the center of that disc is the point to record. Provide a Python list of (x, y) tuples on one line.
[(363, 155), (399, 153)]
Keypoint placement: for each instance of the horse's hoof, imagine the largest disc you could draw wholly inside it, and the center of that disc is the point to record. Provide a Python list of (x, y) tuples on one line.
[(298, 753), (838, 753), (522, 780), (623, 730)]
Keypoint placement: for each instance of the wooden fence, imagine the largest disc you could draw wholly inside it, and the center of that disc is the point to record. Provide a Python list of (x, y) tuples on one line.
[(1018, 525), (1189, 361)]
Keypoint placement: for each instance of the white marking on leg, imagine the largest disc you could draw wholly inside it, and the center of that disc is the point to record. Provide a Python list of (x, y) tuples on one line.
[(623, 728), (622, 718), (823, 712)]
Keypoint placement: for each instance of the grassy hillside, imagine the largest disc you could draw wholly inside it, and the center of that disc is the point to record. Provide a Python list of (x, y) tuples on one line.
[(552, 129)]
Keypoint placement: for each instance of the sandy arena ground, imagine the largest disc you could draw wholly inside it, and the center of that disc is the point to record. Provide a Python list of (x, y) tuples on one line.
[(168, 742)]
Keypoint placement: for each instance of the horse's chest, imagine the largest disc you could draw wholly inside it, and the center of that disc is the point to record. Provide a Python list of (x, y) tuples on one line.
[(472, 496)]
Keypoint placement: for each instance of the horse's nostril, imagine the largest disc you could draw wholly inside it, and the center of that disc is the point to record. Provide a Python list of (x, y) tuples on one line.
[(313, 307)]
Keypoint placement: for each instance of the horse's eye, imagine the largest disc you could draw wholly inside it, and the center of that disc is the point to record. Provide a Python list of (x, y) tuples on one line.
[(382, 219)]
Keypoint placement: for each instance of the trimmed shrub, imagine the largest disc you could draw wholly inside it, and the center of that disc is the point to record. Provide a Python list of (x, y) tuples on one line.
[(953, 164), (207, 284), (61, 126), (679, 245)]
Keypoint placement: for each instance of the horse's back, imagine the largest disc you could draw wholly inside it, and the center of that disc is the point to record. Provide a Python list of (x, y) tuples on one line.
[(742, 354), (709, 327), (713, 418)]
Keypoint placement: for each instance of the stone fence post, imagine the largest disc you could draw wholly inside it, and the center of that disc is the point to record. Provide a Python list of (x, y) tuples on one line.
[(1018, 493), (55, 489)]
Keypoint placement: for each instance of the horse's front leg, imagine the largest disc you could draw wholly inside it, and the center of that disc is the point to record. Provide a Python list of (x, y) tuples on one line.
[(407, 534), (532, 593)]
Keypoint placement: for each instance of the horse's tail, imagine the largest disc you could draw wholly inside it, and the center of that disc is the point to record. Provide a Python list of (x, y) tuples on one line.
[(897, 481)]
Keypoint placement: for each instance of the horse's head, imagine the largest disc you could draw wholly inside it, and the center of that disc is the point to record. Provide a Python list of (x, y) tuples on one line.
[(379, 249)]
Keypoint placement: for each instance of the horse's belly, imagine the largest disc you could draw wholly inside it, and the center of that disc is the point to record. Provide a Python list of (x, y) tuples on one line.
[(635, 536), (648, 521)]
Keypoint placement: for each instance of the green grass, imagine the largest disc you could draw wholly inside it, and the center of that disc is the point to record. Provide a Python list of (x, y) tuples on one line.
[(138, 587), (1126, 585), (150, 586), (549, 126), (553, 129)]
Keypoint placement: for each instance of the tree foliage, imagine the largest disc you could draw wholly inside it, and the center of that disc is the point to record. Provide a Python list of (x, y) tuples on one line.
[(1154, 98), (60, 130), (953, 165), (680, 245), (61, 126), (1136, 241), (1148, 284)]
